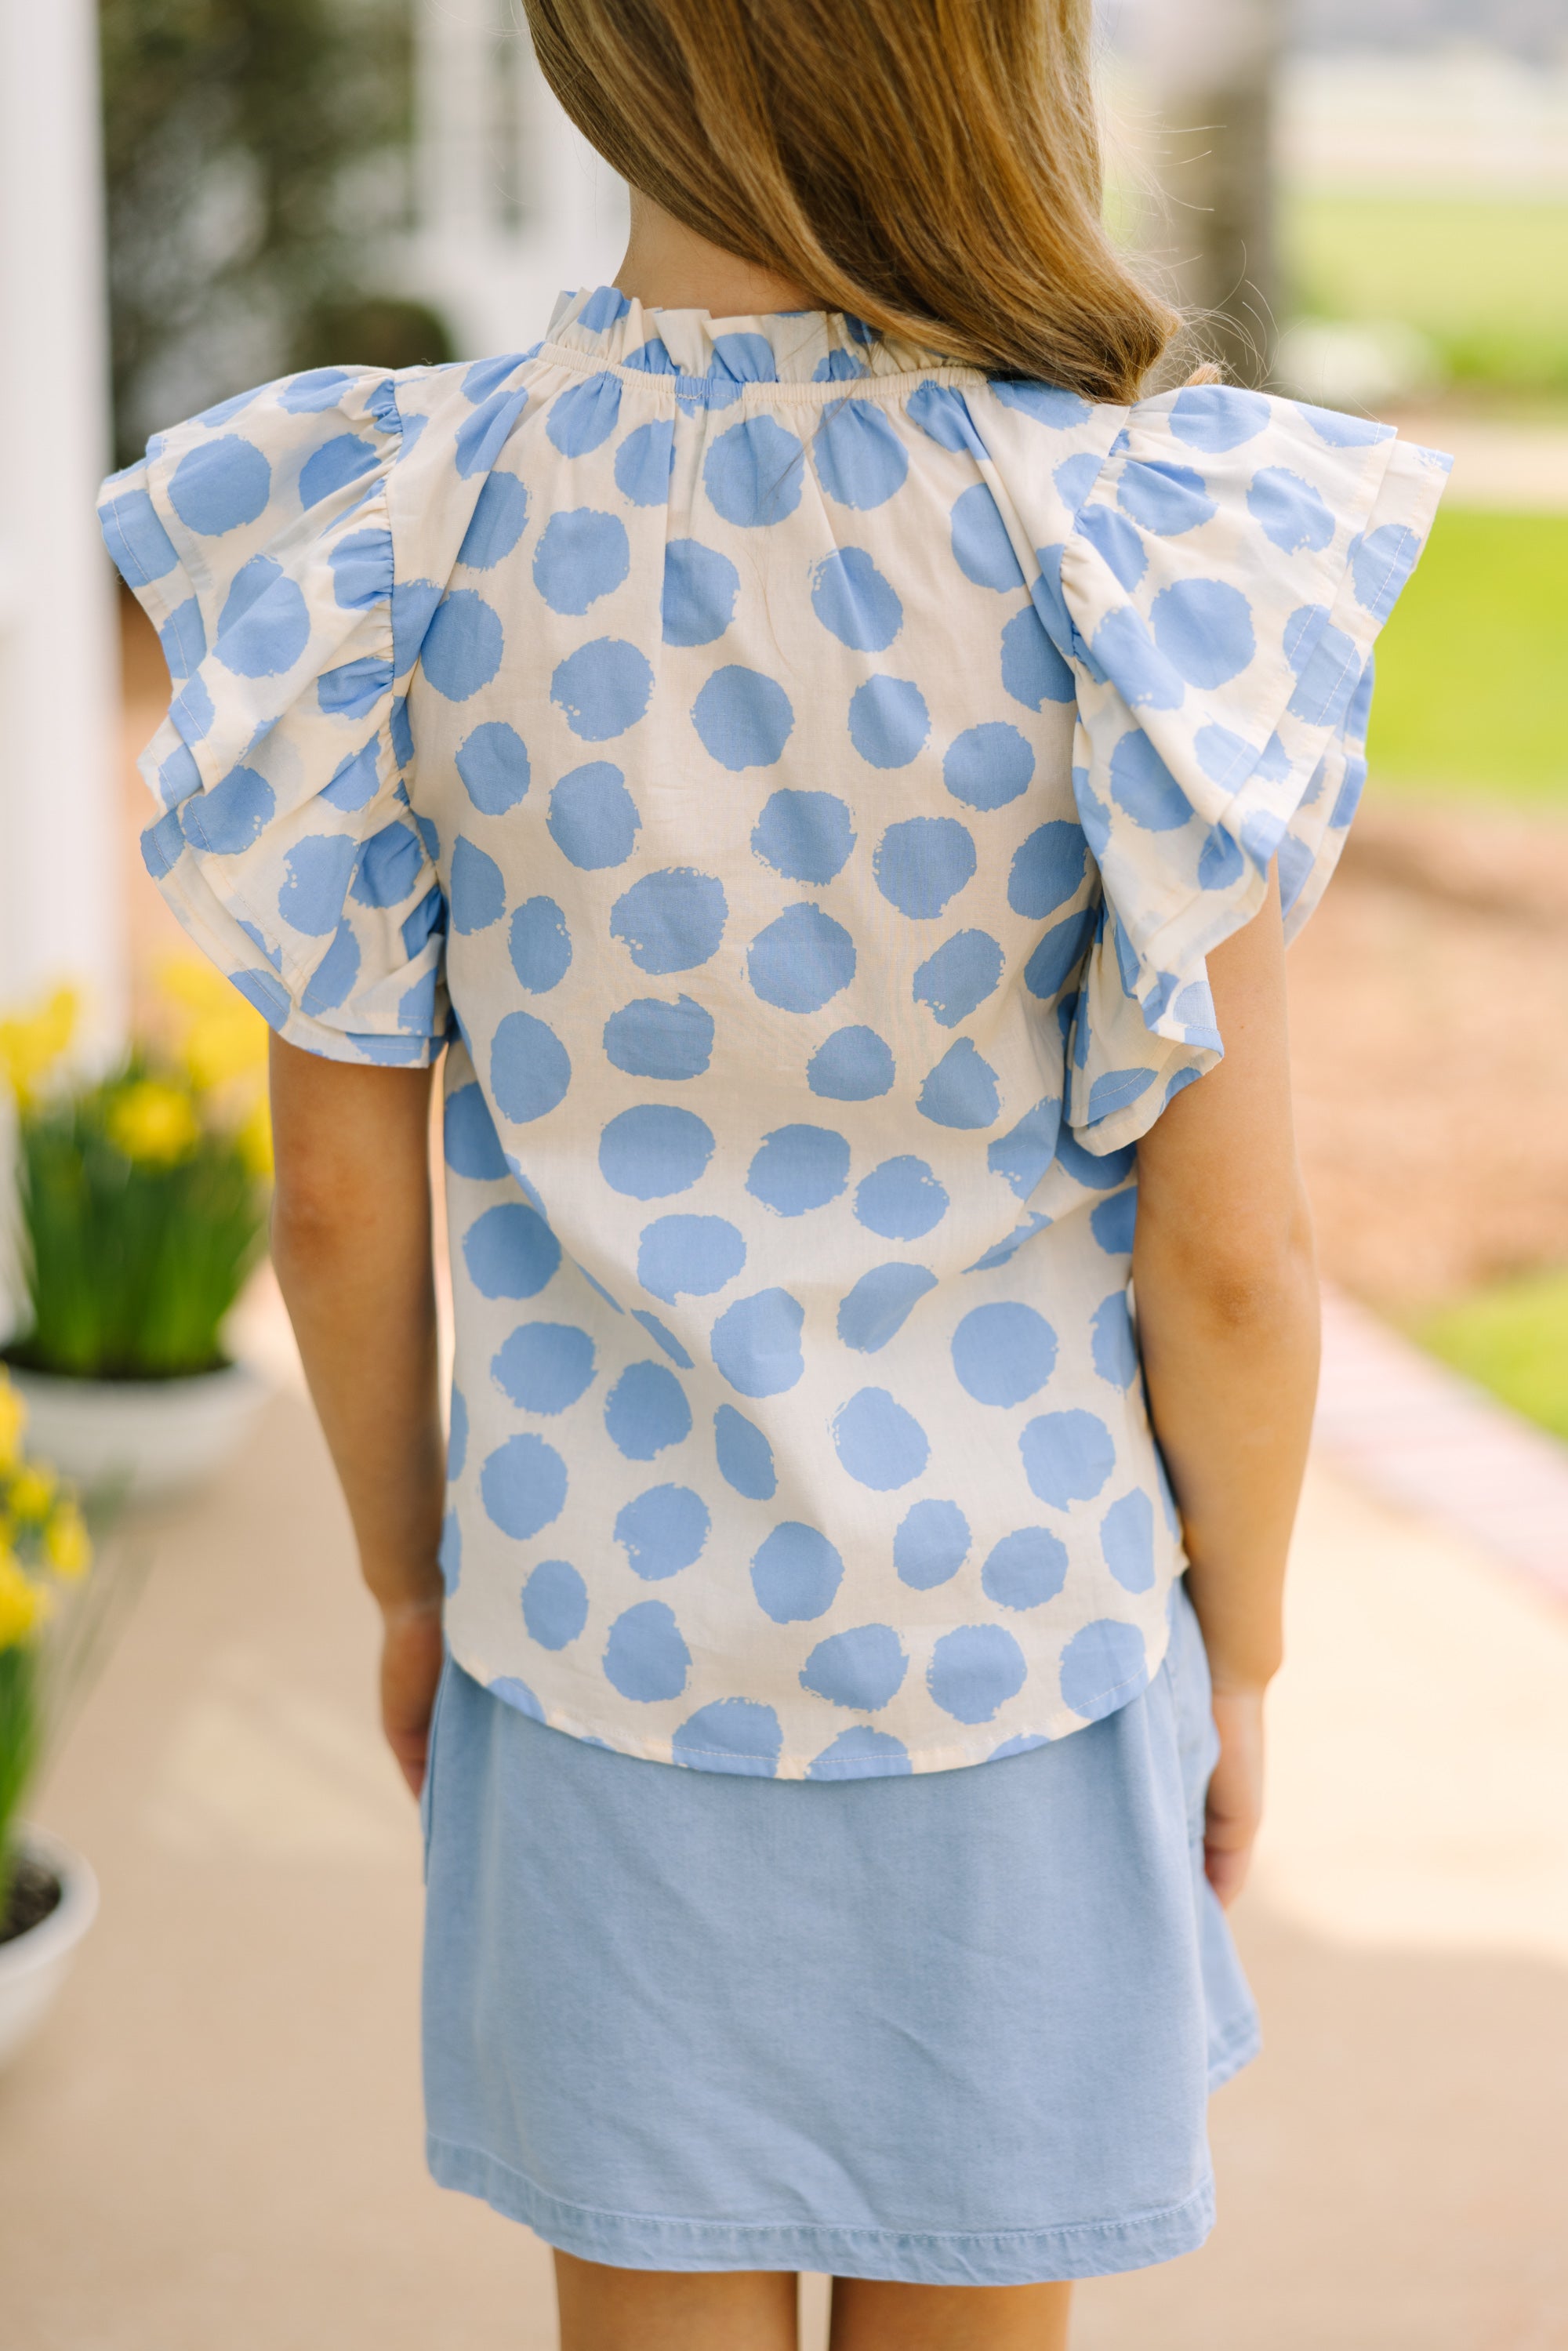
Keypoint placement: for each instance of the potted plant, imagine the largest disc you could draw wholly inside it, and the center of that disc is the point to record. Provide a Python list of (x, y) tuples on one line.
[(141, 1199), (53, 1607)]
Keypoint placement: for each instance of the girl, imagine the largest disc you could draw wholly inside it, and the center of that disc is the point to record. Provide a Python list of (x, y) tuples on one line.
[(820, 762)]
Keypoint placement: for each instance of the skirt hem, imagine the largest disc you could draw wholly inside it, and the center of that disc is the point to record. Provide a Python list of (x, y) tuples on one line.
[(913, 2257)]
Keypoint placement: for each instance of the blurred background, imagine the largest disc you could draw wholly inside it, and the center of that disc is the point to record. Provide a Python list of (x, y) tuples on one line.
[(215, 2136)]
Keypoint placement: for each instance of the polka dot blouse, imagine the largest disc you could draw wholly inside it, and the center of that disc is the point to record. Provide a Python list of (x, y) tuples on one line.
[(796, 785)]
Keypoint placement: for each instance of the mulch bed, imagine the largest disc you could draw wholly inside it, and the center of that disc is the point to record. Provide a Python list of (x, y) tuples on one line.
[(1429, 1018)]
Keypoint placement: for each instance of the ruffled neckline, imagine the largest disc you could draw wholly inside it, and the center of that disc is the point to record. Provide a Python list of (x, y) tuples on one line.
[(716, 358)]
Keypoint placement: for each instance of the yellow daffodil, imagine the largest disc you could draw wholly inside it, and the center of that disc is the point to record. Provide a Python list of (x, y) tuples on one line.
[(31, 1494), (153, 1122), (67, 1547), (31, 1043), (253, 1138), (223, 1045), (13, 1421), (22, 1607)]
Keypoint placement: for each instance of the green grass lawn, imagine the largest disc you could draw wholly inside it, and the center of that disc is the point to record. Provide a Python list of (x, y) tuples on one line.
[(1472, 670), (1512, 1339), (1485, 281)]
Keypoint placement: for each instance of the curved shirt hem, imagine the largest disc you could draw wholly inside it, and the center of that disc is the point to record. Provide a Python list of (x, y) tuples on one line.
[(959, 1754), (914, 2256)]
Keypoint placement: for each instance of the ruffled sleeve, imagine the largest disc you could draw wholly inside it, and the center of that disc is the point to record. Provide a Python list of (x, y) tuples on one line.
[(1216, 583), (259, 539)]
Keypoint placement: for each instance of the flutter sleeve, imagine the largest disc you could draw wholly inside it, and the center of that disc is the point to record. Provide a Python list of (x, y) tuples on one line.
[(1216, 584), (258, 537)]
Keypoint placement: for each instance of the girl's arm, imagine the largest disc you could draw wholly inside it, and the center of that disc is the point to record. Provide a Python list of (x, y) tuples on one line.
[(1226, 1286), (351, 1243)]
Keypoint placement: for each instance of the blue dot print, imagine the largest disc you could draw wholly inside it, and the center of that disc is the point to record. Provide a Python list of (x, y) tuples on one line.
[(463, 645), (743, 719), (1026, 1569), (545, 1366), (805, 836), (699, 592), (922, 863), (889, 723), (801, 961), (879, 1305), (1003, 1353), (529, 1068), (854, 602), (477, 896), (861, 1753), (852, 1065), (457, 1436), (499, 520), (1289, 511), (1204, 628), (539, 947), (662, 1531), (1113, 1222), (879, 1443), (1127, 1540), (1114, 1348), (689, 1256), (232, 815), (266, 624), (981, 548), (732, 1734), (799, 1169), (645, 1658), (1033, 672), (1047, 870), (654, 1150), (523, 1486), (510, 1251), (961, 1091), (902, 1199), (975, 1671), (449, 1551), (602, 688), (644, 462), (987, 766), (745, 1457), (861, 461), (1143, 786), (1104, 1666), (753, 473), (796, 1574), (585, 416), (663, 1336), (755, 1344), (671, 921), (931, 1545), (593, 820), (1067, 1456), (493, 764), (650, 1039), (220, 485), (555, 1604), (960, 975), (581, 556), (862, 1669)]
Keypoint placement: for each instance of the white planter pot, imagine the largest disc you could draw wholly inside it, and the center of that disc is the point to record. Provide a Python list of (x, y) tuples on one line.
[(34, 1966), (151, 1438)]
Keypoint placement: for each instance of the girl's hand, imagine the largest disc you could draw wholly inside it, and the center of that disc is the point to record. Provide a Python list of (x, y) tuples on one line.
[(1235, 1792), (410, 1667)]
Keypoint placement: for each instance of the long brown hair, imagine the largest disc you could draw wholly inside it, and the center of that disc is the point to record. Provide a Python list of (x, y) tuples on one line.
[(931, 166)]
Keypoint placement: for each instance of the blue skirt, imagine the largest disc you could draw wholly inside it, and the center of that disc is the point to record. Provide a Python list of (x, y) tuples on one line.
[(957, 2029)]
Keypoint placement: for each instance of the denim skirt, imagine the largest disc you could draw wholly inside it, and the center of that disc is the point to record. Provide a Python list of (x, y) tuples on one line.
[(956, 2029)]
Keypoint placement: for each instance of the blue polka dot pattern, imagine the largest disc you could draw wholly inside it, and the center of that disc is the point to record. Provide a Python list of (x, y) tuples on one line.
[(545, 1366), (931, 1545), (796, 1574), (743, 719), (555, 1604), (797, 787), (662, 1531)]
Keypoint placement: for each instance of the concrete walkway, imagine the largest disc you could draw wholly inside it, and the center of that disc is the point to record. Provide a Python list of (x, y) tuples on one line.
[(215, 2142)]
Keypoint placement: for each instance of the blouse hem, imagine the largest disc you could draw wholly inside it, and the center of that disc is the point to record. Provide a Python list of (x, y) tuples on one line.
[(909, 2256)]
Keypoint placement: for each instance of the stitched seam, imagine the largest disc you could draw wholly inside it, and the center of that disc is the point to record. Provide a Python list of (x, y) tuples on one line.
[(811, 395), (1091, 2228)]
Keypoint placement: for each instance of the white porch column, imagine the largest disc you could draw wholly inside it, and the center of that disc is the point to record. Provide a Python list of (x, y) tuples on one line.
[(60, 830), (512, 204)]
